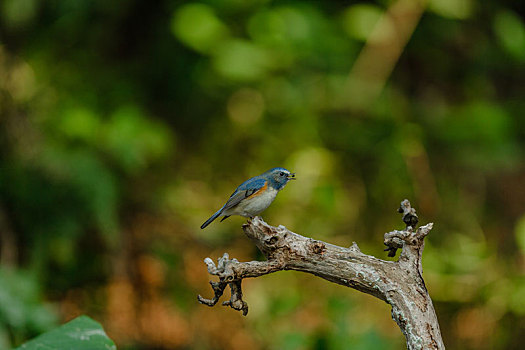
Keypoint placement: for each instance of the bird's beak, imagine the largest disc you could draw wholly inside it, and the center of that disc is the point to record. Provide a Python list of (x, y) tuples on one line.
[(292, 176)]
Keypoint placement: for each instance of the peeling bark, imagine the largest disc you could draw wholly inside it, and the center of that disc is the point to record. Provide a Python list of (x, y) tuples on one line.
[(398, 283)]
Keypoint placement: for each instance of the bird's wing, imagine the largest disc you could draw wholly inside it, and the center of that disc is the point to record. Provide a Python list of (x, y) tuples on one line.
[(245, 190)]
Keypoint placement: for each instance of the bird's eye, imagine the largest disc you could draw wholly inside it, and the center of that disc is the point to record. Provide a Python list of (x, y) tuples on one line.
[(282, 174)]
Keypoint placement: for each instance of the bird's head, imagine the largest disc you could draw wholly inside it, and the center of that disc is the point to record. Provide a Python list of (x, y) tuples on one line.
[(280, 176)]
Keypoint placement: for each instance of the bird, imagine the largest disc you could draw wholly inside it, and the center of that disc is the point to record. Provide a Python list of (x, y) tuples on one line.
[(254, 195)]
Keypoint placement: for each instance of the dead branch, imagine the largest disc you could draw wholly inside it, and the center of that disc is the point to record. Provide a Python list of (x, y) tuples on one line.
[(398, 283)]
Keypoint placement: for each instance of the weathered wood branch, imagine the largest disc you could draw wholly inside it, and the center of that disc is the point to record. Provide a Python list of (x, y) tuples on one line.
[(398, 283)]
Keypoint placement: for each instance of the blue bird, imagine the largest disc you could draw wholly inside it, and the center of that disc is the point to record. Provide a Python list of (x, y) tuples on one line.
[(253, 196)]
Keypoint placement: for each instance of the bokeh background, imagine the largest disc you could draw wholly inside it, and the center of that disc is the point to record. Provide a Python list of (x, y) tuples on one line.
[(125, 124)]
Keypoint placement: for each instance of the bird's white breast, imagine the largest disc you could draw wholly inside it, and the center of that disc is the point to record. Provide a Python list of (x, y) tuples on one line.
[(252, 206)]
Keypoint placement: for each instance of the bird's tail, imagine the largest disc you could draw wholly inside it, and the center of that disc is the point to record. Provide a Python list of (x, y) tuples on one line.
[(213, 217)]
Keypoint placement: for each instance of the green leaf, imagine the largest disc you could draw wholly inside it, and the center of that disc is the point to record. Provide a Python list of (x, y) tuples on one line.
[(82, 333), (197, 26), (458, 9), (510, 30), (360, 20)]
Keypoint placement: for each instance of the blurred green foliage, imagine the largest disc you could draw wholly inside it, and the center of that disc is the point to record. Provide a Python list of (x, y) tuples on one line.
[(125, 124), (23, 312)]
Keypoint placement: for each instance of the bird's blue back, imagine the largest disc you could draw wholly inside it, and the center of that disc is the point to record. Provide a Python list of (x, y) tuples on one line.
[(254, 183)]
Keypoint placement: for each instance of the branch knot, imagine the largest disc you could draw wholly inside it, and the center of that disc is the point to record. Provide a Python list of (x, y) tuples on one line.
[(317, 247), (396, 239)]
